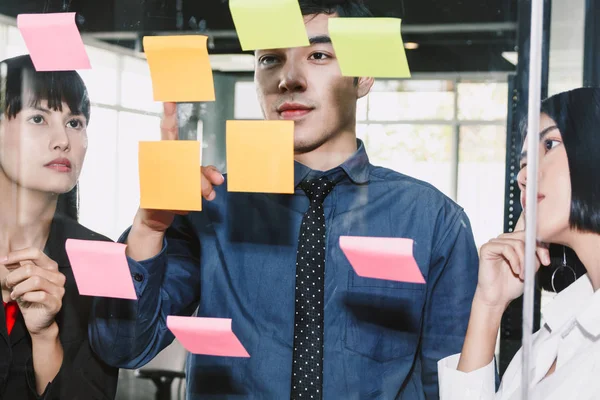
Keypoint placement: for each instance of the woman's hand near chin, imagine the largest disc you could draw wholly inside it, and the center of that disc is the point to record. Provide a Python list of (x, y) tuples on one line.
[(502, 268), (501, 274)]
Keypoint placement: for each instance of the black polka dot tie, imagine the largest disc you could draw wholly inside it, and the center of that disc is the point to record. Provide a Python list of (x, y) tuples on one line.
[(307, 368)]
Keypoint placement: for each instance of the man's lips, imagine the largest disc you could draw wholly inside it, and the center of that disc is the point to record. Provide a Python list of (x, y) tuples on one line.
[(293, 110)]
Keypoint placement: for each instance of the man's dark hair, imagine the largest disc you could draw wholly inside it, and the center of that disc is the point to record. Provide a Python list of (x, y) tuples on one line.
[(577, 116), (343, 8), (24, 83)]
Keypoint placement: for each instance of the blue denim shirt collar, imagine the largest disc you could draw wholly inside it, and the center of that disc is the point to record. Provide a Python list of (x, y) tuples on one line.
[(356, 168)]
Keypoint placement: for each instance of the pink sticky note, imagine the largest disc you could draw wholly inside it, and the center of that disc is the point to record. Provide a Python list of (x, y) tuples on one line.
[(100, 269), (382, 258), (53, 41), (208, 336)]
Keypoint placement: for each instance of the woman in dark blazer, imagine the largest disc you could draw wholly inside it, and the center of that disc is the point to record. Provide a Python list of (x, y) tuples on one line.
[(44, 348)]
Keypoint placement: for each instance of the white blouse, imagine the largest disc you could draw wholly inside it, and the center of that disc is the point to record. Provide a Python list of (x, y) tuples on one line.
[(570, 335)]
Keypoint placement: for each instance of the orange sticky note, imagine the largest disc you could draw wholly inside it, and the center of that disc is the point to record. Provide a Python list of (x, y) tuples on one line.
[(180, 68), (260, 156), (170, 175)]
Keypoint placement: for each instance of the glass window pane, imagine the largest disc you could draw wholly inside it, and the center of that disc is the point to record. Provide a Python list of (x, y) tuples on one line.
[(246, 104), (101, 80), (420, 151), (133, 128), (15, 44), (422, 105), (482, 101), (481, 171), (136, 86), (97, 183), (361, 108)]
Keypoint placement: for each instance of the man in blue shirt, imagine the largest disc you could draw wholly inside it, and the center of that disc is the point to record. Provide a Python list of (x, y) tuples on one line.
[(242, 257)]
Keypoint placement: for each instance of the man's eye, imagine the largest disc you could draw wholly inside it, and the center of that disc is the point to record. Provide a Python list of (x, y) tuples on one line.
[(319, 56), (267, 60)]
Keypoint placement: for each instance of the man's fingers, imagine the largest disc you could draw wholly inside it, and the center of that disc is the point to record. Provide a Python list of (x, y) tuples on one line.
[(213, 175), (210, 177), (168, 124), (207, 190)]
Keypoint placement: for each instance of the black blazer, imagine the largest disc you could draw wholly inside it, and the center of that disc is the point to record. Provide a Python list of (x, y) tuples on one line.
[(82, 375)]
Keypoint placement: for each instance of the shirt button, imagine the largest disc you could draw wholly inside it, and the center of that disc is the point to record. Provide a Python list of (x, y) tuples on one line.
[(138, 277)]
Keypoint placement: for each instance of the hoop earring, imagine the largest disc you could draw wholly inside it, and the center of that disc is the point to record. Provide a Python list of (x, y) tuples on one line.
[(563, 268)]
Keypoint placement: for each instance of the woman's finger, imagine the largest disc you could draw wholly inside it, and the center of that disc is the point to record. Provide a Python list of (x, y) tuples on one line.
[(30, 270), (503, 250), (32, 254), (36, 283), (48, 301)]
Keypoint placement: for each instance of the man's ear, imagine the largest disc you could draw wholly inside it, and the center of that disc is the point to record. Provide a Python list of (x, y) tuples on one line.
[(363, 86)]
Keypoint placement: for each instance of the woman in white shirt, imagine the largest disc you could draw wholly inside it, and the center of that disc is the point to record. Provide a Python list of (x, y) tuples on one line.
[(566, 350)]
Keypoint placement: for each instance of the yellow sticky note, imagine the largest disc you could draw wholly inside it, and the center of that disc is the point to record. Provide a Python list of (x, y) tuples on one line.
[(268, 24), (180, 68), (260, 156), (370, 47), (170, 175)]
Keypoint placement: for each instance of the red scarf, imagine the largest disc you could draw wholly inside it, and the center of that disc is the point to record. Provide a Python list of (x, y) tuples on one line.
[(10, 310)]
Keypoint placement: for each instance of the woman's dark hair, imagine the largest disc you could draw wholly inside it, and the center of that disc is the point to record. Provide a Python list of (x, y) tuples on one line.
[(344, 8), (26, 85), (577, 116)]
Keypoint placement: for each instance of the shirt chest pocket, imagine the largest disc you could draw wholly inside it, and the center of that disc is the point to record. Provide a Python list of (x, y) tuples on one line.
[(384, 317)]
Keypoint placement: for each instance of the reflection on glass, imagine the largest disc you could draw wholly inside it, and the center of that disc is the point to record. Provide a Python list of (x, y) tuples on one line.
[(245, 102), (101, 80), (97, 190), (482, 101), (420, 151), (133, 128), (136, 86), (397, 100), (481, 172)]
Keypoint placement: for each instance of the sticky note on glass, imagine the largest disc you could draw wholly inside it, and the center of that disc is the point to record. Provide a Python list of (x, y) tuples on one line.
[(370, 47), (100, 269), (53, 41), (170, 175), (382, 258), (180, 68), (260, 156), (268, 24), (207, 336)]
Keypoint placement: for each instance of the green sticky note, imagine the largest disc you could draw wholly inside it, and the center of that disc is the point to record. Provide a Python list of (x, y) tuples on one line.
[(268, 24), (370, 47)]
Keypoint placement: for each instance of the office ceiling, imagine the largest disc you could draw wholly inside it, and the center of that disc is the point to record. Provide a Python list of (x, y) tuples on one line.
[(453, 36)]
